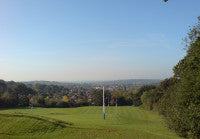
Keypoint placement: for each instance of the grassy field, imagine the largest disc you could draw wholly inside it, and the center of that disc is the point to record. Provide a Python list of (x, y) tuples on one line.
[(83, 122)]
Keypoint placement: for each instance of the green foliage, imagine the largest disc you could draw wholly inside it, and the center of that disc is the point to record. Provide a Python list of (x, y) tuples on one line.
[(187, 90), (3, 87), (97, 97), (54, 96), (147, 99), (62, 104), (50, 90), (9, 100), (50, 102), (7, 97), (21, 89), (151, 99), (20, 95), (38, 101), (124, 97), (178, 98), (23, 101), (82, 102), (139, 92), (121, 97)]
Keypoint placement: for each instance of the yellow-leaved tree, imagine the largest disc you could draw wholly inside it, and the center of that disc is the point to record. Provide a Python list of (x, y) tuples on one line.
[(65, 99)]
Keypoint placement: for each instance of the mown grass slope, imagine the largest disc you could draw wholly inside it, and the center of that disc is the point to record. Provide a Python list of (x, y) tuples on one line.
[(82, 122)]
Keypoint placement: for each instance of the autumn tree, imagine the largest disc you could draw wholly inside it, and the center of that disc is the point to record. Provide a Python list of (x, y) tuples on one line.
[(65, 99)]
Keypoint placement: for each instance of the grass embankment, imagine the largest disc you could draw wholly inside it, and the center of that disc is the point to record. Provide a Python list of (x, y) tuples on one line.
[(82, 122)]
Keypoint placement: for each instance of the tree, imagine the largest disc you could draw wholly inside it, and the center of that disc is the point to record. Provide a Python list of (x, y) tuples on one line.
[(82, 102), (151, 99), (3, 87), (97, 97), (183, 114), (65, 99), (147, 99), (139, 92), (50, 102), (23, 101), (8, 100), (38, 100), (20, 89)]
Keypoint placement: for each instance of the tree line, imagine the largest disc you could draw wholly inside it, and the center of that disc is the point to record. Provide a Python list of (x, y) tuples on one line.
[(178, 98), (14, 94)]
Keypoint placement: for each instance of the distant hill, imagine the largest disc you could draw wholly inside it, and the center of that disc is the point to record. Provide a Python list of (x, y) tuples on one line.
[(88, 84)]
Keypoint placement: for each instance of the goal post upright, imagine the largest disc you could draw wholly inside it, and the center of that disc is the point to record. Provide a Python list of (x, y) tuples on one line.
[(104, 116)]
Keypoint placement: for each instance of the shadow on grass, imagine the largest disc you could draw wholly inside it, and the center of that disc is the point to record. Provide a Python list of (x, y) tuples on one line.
[(55, 122)]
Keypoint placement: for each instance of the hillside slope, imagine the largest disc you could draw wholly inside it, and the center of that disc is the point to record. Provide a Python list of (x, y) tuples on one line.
[(83, 122)]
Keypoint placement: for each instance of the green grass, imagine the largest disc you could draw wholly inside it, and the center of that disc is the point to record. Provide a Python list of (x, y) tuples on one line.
[(83, 122)]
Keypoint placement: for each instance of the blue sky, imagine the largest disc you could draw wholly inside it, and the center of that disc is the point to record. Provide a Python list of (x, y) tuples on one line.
[(69, 40)]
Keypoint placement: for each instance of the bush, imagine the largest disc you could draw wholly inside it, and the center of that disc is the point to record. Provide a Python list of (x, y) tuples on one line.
[(139, 92), (50, 102)]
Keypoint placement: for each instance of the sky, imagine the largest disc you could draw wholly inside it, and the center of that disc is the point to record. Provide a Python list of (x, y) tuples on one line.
[(70, 40)]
